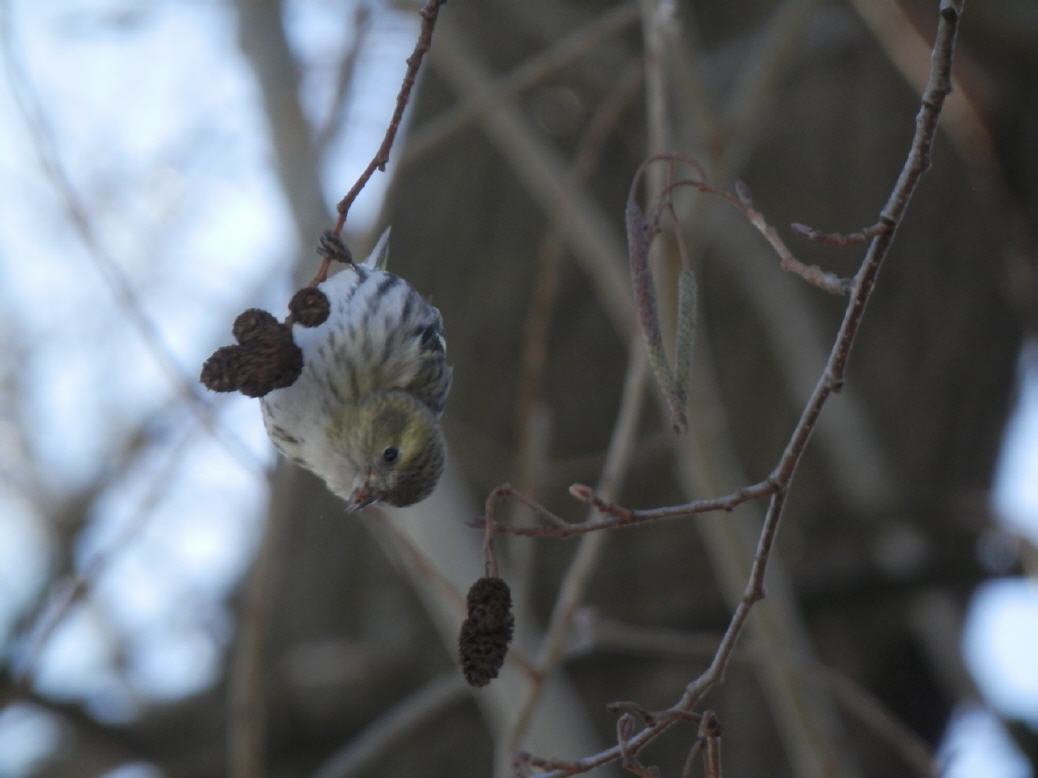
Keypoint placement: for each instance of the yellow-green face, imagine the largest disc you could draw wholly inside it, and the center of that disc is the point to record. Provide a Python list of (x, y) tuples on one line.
[(401, 450)]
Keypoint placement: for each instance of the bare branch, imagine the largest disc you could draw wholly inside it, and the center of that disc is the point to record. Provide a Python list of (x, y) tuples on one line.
[(917, 162), (429, 13), (710, 732), (859, 238), (621, 517)]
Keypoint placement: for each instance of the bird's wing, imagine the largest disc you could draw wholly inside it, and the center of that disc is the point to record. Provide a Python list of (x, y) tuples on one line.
[(432, 381)]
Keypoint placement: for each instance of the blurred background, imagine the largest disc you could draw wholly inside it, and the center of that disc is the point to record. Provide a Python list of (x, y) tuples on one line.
[(176, 602)]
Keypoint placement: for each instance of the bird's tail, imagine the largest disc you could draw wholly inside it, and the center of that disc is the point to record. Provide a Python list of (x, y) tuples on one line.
[(379, 256)]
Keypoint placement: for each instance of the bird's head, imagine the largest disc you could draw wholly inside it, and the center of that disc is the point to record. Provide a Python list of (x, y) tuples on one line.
[(398, 448)]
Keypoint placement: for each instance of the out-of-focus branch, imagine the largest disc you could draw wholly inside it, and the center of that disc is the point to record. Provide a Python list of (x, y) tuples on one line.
[(533, 355), (78, 214), (757, 83), (344, 77), (590, 233), (575, 581), (64, 594), (568, 49), (262, 40), (396, 724), (534, 352)]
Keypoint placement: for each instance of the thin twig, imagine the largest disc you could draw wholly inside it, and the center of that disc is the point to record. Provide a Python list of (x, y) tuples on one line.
[(692, 758), (429, 13), (621, 517), (859, 238), (72, 589), (857, 702), (421, 562), (489, 560), (710, 731), (742, 201), (917, 162)]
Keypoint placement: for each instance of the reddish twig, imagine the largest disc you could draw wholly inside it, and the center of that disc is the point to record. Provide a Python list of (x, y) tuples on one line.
[(710, 732), (859, 238), (428, 568), (489, 560), (429, 13), (692, 758), (625, 727), (742, 200), (831, 380), (557, 527), (629, 708)]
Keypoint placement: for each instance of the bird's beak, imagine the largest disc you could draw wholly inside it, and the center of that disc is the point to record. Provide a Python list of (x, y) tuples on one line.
[(362, 496)]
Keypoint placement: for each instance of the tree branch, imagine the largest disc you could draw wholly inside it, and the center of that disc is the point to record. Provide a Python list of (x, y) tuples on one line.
[(831, 380)]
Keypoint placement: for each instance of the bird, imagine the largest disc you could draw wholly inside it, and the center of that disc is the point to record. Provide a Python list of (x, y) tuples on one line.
[(364, 413)]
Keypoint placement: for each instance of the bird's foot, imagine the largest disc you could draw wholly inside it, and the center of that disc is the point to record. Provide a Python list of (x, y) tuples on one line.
[(333, 249)]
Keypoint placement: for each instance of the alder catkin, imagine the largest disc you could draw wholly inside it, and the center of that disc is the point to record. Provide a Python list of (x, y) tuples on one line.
[(487, 631)]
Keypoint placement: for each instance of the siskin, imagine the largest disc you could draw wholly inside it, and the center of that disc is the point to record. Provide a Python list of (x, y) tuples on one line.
[(364, 413)]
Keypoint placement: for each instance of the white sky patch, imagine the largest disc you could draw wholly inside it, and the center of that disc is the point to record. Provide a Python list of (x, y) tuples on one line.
[(976, 746), (174, 663), (999, 643), (75, 662), (1016, 483), (27, 736), (23, 558), (136, 770)]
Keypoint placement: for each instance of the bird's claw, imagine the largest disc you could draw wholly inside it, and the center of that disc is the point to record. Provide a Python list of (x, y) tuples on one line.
[(332, 248)]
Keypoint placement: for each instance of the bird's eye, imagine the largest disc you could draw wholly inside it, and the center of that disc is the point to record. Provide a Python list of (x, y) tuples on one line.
[(390, 455)]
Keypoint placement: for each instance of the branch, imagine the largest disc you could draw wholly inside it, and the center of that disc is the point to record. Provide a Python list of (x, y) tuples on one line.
[(858, 702), (620, 517), (533, 71), (65, 593), (393, 726), (429, 13), (831, 380)]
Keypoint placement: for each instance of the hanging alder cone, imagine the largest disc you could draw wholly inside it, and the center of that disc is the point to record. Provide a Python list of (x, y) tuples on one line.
[(487, 631)]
